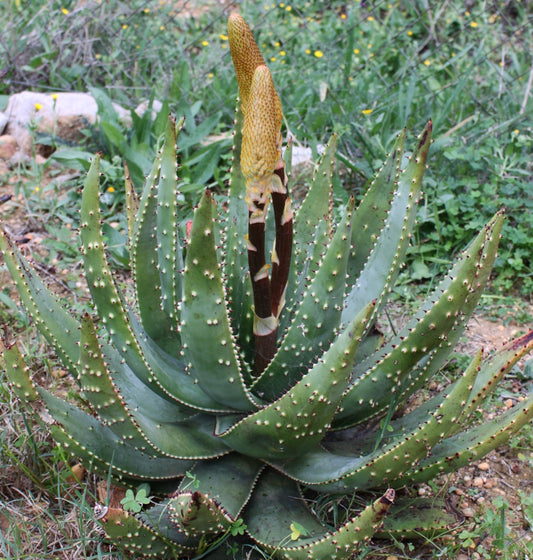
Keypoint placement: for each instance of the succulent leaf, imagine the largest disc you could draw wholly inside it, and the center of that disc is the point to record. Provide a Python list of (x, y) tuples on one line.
[(401, 365), (300, 418), (277, 503), (371, 213), (384, 262), (58, 326), (204, 317), (328, 471), (466, 446), (413, 518)]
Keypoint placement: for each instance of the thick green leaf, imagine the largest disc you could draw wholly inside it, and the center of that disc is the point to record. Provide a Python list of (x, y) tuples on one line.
[(208, 341), (299, 419), (398, 368), (277, 504), (388, 254)]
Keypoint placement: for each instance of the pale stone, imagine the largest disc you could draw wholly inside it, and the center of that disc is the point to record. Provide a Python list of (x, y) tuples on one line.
[(468, 512), (62, 115), (478, 482), (8, 146), (143, 107), (3, 122), (483, 466)]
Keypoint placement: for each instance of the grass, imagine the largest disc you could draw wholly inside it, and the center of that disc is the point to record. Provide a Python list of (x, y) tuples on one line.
[(364, 73)]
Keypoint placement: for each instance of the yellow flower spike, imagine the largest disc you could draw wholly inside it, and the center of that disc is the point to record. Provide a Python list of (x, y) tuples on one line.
[(245, 54), (261, 132)]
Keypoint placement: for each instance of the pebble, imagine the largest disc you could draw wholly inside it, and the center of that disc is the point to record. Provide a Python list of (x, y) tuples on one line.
[(478, 482), (484, 466), (461, 557), (468, 512)]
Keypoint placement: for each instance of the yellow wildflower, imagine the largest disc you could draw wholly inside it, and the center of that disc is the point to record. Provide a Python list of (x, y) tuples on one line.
[(473, 24), (282, 53), (427, 62), (38, 106), (111, 189), (64, 11), (54, 96), (370, 18), (205, 43), (295, 533), (125, 26), (366, 111), (288, 8), (223, 37), (356, 51), (318, 54), (409, 33), (307, 51)]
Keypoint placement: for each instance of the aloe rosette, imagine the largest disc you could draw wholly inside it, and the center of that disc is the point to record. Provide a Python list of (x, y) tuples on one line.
[(243, 380)]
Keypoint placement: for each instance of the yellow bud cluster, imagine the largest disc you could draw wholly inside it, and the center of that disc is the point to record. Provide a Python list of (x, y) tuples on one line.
[(245, 54), (261, 146), (262, 112)]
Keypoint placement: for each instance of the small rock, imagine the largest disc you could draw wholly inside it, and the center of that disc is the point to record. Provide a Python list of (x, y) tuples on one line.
[(468, 512), (62, 114), (461, 557), (8, 146), (490, 483), (478, 482), (483, 466), (508, 403)]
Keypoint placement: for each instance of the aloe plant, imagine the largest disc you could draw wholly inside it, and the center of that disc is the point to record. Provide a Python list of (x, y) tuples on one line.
[(239, 381)]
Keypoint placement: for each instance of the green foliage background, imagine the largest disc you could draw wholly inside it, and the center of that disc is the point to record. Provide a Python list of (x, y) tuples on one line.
[(362, 69)]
